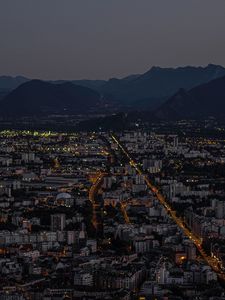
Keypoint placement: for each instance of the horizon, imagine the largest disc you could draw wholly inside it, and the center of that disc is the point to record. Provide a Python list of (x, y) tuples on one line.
[(118, 77)]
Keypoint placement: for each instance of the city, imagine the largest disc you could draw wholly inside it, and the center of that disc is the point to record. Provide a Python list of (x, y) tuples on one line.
[(112, 150), (132, 215)]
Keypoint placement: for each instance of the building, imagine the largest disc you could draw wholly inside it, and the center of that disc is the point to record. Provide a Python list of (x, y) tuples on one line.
[(58, 222)]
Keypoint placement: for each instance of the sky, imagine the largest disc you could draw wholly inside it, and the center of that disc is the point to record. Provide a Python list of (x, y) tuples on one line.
[(101, 39)]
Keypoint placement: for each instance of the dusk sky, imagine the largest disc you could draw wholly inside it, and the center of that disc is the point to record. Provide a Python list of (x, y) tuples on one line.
[(99, 39)]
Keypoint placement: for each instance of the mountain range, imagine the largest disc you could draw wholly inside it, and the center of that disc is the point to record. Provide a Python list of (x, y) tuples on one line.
[(158, 84), (169, 92), (153, 84)]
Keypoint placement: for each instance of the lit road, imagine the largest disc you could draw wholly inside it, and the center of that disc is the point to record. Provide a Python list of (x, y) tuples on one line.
[(92, 197), (213, 262), (124, 212), (93, 192)]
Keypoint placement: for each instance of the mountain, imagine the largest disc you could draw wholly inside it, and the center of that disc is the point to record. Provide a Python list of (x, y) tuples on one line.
[(38, 97), (3, 93), (158, 84), (98, 84), (200, 102), (92, 84), (146, 91), (11, 83)]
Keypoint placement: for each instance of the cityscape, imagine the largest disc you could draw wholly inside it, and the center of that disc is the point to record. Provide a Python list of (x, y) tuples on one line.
[(137, 214), (112, 150)]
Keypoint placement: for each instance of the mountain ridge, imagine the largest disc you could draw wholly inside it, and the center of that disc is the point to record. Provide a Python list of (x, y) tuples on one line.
[(39, 97), (203, 101), (147, 91)]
